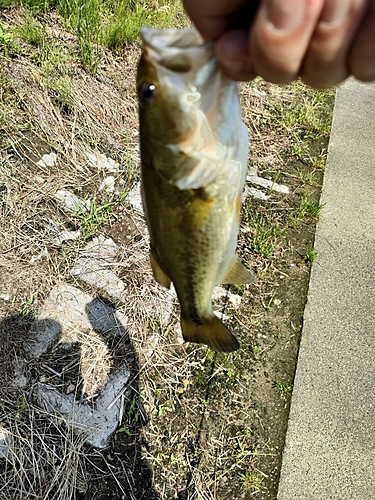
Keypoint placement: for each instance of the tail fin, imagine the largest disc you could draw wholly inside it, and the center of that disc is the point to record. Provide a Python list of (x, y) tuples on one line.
[(209, 331)]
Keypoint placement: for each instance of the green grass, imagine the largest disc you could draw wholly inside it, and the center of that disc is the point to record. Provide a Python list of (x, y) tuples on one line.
[(306, 208), (31, 31), (302, 110), (311, 255), (97, 23), (264, 235), (7, 41), (251, 480), (282, 389), (90, 221), (124, 24)]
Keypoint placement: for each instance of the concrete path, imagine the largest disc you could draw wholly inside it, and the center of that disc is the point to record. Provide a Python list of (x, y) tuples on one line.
[(330, 445)]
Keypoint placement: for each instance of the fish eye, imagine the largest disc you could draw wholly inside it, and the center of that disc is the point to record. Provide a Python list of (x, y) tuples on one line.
[(147, 93)]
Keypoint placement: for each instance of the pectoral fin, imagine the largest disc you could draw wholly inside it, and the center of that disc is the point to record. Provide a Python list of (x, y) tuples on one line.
[(237, 274), (209, 331), (161, 277)]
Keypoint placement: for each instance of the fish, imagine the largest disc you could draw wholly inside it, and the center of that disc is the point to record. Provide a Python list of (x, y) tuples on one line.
[(194, 149)]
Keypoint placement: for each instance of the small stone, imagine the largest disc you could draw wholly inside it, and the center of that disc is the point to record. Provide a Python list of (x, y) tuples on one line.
[(5, 441), (102, 162), (135, 198), (70, 202), (108, 184), (48, 160), (277, 302), (71, 388), (67, 236)]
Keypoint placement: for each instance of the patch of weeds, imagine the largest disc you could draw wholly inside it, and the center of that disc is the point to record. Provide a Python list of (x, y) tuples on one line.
[(282, 389), (302, 109), (204, 369), (37, 6), (217, 369), (165, 404), (83, 17), (27, 305), (6, 4), (7, 43), (124, 24), (251, 480), (235, 289), (55, 75), (90, 221), (123, 429), (88, 31), (124, 19), (263, 235), (310, 255), (308, 177), (21, 405), (133, 411), (306, 208), (31, 31)]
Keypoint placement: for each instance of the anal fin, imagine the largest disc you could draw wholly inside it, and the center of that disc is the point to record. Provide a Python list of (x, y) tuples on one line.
[(161, 277), (237, 274), (209, 331)]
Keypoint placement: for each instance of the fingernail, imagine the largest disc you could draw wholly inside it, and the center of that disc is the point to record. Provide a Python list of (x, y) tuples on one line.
[(335, 13), (285, 15)]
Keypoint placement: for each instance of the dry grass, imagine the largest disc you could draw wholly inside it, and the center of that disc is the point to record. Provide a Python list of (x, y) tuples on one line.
[(43, 460)]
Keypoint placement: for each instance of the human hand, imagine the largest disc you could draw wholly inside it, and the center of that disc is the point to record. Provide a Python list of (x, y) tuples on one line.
[(321, 41)]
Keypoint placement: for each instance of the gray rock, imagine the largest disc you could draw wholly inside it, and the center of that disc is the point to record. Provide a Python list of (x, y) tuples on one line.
[(70, 202), (68, 308), (97, 423), (93, 267), (5, 443)]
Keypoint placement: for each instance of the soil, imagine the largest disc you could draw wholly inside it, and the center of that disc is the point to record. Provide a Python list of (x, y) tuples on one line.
[(201, 425)]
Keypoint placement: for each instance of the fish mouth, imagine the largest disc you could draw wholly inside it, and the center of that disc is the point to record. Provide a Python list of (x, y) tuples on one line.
[(179, 51), (162, 39)]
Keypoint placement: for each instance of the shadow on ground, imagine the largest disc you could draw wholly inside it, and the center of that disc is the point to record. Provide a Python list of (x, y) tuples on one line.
[(116, 472)]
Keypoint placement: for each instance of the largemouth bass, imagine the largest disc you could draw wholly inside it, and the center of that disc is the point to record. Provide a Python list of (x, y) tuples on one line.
[(194, 149)]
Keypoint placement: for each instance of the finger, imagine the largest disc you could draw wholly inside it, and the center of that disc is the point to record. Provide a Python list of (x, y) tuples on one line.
[(361, 61), (280, 36), (232, 51), (212, 18), (325, 64)]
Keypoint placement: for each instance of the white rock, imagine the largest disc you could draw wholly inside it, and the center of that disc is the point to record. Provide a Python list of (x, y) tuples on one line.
[(48, 160), (266, 183), (219, 292), (5, 443), (108, 184), (101, 161), (67, 236), (256, 193), (70, 202), (135, 198), (94, 267)]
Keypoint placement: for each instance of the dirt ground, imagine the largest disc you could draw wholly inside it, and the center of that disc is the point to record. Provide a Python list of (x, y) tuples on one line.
[(199, 424)]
